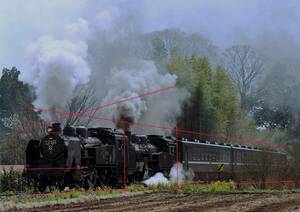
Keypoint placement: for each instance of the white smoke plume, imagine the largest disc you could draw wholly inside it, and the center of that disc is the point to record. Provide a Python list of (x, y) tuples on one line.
[(182, 174), (133, 79), (58, 65), (157, 179), (174, 176), (100, 50), (121, 73)]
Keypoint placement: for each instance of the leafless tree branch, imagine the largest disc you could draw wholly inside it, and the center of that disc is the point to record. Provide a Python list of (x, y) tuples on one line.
[(243, 65), (83, 99)]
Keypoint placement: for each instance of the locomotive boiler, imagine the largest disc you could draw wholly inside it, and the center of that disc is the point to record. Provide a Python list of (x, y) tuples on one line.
[(77, 156), (91, 157)]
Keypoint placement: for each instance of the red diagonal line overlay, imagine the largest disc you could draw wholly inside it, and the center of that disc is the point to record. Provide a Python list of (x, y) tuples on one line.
[(199, 186), (44, 169), (110, 104), (267, 143), (177, 155), (220, 135), (95, 108), (161, 127), (45, 122), (125, 161)]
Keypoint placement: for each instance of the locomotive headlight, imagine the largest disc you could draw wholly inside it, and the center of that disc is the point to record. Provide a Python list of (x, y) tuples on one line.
[(52, 147), (50, 143), (49, 130)]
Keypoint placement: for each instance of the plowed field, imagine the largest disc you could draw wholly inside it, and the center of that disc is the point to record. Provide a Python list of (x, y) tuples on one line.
[(167, 201)]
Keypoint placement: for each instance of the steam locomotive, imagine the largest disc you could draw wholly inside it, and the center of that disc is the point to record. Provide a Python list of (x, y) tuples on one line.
[(90, 157)]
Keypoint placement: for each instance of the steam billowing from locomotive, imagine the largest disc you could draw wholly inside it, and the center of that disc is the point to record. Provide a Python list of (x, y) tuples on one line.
[(99, 51), (136, 78), (59, 65), (123, 117)]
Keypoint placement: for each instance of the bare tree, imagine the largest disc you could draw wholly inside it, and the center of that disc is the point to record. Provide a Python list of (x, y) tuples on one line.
[(243, 64), (25, 123), (80, 107), (21, 127)]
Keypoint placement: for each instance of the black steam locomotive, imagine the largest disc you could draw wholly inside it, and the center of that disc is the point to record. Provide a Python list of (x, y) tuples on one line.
[(77, 156)]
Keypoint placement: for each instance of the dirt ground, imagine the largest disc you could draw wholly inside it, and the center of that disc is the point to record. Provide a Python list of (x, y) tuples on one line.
[(166, 201)]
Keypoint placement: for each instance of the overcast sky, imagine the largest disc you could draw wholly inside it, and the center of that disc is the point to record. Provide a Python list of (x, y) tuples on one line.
[(225, 22)]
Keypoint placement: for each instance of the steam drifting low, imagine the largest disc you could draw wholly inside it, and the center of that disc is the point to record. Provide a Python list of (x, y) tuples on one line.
[(177, 174)]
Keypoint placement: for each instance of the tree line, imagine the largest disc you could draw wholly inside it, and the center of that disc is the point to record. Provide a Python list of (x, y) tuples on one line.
[(234, 92)]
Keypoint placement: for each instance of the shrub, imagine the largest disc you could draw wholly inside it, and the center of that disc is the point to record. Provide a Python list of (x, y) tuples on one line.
[(12, 181)]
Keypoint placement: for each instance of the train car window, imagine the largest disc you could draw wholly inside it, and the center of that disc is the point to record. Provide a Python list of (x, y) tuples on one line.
[(239, 156), (235, 155), (242, 156), (229, 155), (223, 155), (214, 157)]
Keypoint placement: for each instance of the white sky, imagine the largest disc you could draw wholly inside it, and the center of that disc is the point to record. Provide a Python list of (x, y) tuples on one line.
[(223, 21)]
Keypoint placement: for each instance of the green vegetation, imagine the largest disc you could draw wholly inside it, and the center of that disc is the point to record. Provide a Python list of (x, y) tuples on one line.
[(219, 186), (12, 182), (212, 106), (226, 97), (16, 114)]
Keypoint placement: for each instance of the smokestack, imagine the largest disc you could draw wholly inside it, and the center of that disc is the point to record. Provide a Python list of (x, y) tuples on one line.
[(123, 118), (56, 128)]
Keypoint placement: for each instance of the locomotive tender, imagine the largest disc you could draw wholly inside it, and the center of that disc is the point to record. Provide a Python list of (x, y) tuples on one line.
[(77, 156)]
